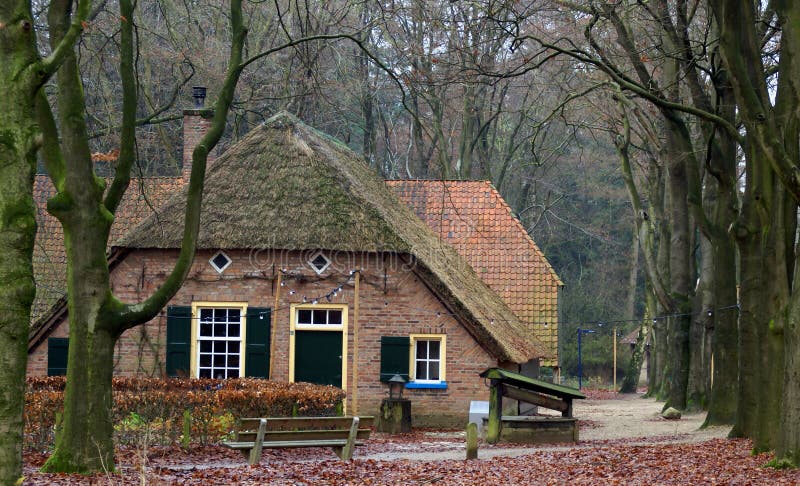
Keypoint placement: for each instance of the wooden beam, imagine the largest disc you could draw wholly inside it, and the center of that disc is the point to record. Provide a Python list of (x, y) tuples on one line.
[(354, 391), (495, 412), (615, 359), (273, 325), (534, 398)]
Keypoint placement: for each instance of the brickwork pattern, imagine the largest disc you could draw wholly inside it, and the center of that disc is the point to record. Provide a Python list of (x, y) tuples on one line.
[(392, 301), (473, 217)]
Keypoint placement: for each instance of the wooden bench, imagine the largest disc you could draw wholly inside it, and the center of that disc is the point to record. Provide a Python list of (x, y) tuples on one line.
[(340, 433)]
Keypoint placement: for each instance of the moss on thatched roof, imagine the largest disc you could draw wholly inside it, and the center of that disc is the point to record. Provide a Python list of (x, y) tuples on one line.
[(288, 186), (282, 186)]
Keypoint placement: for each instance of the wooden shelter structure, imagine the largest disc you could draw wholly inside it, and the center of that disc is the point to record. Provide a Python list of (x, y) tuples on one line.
[(536, 429)]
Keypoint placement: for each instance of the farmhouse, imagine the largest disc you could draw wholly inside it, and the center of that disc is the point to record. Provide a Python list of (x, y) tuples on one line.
[(311, 268)]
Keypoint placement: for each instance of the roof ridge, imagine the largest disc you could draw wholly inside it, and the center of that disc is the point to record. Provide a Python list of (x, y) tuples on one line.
[(363, 214), (487, 181)]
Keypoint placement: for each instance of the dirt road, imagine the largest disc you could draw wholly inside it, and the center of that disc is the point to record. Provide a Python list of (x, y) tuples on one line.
[(629, 419)]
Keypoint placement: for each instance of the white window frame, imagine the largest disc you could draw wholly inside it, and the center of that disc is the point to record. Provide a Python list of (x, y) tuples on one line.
[(314, 267), (214, 265), (196, 307), (415, 338), (319, 307)]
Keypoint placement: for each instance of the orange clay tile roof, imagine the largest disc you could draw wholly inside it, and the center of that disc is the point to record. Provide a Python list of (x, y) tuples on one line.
[(49, 260), (473, 217)]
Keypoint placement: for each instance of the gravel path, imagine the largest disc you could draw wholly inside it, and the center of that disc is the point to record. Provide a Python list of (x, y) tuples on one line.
[(630, 418)]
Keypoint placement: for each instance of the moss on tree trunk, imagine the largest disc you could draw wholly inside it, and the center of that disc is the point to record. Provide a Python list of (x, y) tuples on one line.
[(17, 289), (85, 210), (22, 73)]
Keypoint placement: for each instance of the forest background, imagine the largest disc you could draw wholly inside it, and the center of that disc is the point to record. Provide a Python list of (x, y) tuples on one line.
[(450, 96), (674, 118)]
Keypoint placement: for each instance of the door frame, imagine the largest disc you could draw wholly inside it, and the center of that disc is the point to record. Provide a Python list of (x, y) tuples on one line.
[(293, 328)]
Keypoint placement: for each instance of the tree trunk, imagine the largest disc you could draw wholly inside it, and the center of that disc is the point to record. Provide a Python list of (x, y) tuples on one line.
[(630, 382), (85, 441), (85, 210), (17, 232), (721, 199), (724, 339), (761, 235), (22, 73), (630, 379), (752, 296), (677, 372), (788, 447), (699, 371), (650, 355)]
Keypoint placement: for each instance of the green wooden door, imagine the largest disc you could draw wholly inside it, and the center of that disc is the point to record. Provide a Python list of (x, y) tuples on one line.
[(318, 357)]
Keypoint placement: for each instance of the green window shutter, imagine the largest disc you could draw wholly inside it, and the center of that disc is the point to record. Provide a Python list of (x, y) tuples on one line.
[(394, 356), (179, 340), (256, 361), (57, 351)]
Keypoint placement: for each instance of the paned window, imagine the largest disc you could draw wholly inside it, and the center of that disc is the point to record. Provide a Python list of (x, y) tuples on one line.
[(218, 339), (319, 317), (219, 343), (428, 358)]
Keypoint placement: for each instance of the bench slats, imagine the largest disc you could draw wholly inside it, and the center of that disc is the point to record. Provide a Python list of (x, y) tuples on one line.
[(303, 423), (290, 444), (279, 435), (340, 433)]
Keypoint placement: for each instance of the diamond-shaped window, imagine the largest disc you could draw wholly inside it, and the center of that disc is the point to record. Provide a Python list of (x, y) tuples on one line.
[(220, 261), (319, 263)]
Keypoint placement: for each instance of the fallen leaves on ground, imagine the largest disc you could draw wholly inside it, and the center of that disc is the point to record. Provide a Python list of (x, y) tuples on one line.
[(719, 461)]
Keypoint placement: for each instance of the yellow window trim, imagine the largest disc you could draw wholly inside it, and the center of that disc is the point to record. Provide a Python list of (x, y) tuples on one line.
[(412, 356), (294, 327), (196, 306)]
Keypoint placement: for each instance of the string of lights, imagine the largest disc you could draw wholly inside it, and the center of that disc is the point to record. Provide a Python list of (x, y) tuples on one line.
[(327, 296)]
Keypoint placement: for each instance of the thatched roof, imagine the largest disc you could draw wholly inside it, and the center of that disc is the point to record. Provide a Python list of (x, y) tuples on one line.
[(288, 186)]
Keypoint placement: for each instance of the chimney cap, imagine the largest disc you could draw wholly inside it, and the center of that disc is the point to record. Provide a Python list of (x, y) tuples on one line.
[(199, 95)]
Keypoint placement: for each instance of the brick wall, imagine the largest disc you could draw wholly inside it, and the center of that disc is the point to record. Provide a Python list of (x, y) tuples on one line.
[(393, 302), (195, 124)]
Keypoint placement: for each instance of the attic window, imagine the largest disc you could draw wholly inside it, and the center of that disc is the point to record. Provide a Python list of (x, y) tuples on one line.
[(220, 261), (319, 263)]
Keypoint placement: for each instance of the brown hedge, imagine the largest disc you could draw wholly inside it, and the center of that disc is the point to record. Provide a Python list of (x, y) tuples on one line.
[(153, 409)]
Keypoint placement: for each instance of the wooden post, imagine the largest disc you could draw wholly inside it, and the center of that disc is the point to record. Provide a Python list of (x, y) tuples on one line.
[(354, 392), (186, 440), (346, 453), (255, 453), (273, 325), (472, 441), (495, 412), (615, 359)]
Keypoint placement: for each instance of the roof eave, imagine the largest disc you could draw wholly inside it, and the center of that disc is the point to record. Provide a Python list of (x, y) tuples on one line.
[(58, 312)]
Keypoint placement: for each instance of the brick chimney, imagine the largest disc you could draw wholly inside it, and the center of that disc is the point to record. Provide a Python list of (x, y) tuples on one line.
[(196, 123)]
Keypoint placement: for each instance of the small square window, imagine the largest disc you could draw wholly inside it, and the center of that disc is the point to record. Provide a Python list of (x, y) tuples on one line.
[(304, 316), (335, 317), (320, 317), (428, 358), (319, 263), (220, 261)]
